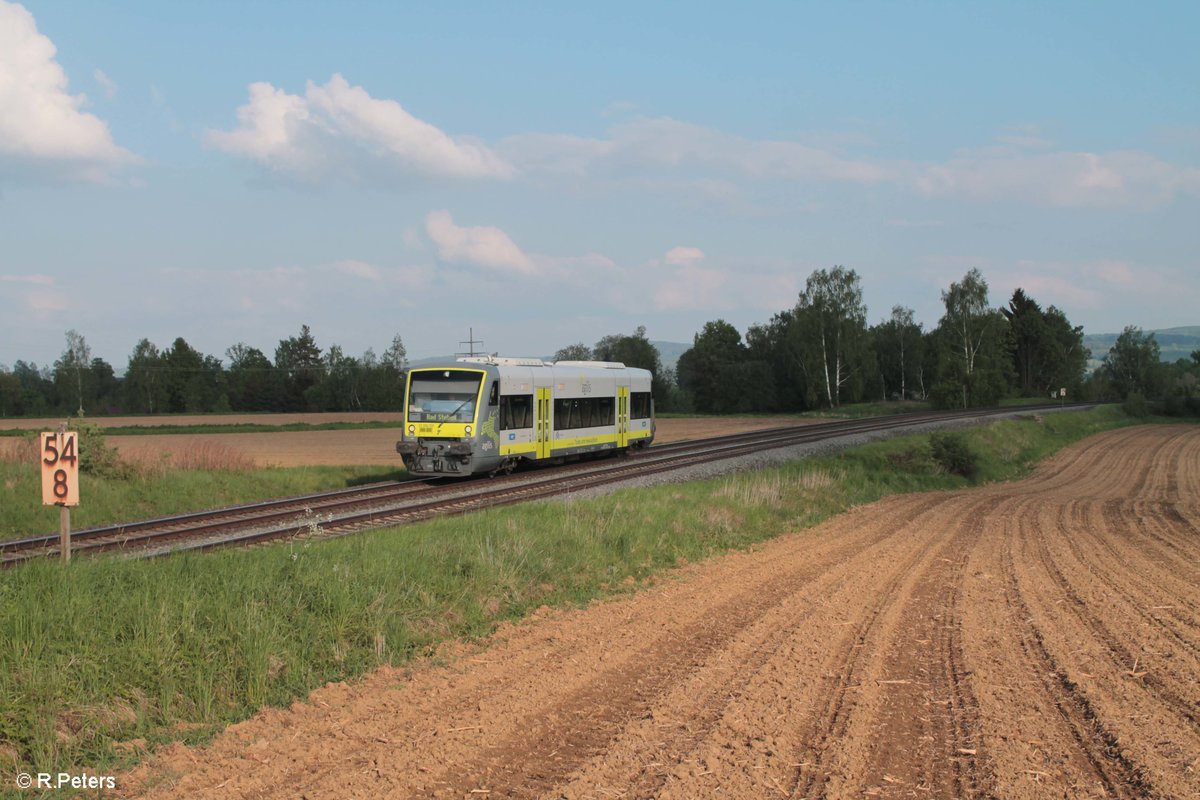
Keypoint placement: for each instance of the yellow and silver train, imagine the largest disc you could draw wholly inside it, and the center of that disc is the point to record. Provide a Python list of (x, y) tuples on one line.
[(488, 414)]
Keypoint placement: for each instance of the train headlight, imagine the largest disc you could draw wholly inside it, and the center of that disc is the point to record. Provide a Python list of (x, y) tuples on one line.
[(412, 428), (468, 430)]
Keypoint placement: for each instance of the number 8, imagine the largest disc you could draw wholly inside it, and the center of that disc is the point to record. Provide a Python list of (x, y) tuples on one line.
[(60, 484)]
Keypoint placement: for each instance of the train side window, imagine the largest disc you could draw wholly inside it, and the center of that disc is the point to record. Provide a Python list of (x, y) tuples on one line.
[(494, 395), (605, 411), (516, 412), (639, 405)]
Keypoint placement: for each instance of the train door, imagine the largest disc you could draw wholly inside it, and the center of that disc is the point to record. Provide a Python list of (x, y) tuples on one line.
[(542, 431), (622, 416)]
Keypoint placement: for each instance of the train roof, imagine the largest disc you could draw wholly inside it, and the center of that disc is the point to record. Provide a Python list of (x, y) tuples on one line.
[(500, 362), (506, 361)]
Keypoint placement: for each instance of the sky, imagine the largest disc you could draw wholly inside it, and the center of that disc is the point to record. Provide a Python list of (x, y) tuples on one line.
[(550, 173)]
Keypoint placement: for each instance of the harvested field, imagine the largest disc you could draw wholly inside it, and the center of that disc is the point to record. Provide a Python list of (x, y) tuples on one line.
[(51, 423), (371, 446), (1028, 640)]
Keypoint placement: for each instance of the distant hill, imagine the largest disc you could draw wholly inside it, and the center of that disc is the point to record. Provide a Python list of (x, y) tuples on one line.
[(1173, 343), (670, 352)]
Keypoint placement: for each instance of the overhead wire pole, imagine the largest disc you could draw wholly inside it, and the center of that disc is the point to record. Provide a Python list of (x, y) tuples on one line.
[(471, 341)]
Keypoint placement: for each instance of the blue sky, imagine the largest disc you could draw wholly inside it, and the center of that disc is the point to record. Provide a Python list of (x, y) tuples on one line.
[(551, 173)]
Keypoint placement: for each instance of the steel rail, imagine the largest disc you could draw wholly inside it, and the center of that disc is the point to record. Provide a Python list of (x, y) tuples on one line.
[(299, 502), (558, 484), (393, 503)]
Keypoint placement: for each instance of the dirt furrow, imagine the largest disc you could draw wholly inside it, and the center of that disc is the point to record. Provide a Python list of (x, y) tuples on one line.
[(1019, 641), (1112, 769), (1157, 682), (1116, 557), (567, 740), (920, 724)]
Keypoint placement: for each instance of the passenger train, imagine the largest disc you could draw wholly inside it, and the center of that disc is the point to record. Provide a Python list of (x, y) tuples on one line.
[(486, 414)]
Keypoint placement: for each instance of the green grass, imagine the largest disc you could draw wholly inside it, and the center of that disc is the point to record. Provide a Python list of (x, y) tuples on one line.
[(106, 651), (170, 491)]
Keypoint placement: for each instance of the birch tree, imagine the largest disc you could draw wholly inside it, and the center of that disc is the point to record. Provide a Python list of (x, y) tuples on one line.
[(973, 365), (71, 366), (899, 350), (833, 330)]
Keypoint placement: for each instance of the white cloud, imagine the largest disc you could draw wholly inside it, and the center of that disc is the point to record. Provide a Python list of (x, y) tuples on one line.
[(684, 255), (359, 269), (686, 286), (37, 280), (1064, 292), (913, 223), (1060, 179), (1019, 165), (690, 287), (483, 246), (106, 83), (1123, 277), (338, 130), (41, 303), (669, 144), (43, 131)]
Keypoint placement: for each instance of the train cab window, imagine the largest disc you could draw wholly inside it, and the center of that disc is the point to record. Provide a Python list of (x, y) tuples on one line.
[(443, 395), (516, 412), (494, 395)]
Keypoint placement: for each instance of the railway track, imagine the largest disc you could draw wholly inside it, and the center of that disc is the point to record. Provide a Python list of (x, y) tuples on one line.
[(346, 511)]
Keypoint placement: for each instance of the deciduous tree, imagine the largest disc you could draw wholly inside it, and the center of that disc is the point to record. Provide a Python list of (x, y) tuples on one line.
[(973, 366), (1133, 365), (832, 332)]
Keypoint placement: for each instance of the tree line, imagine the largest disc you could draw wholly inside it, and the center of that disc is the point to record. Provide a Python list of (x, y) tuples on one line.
[(820, 353), (300, 378)]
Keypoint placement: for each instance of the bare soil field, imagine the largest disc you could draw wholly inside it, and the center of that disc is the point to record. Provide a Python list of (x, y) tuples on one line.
[(49, 424), (1029, 640), (372, 446)]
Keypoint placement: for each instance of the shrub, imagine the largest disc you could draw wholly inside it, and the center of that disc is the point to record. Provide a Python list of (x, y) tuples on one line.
[(952, 453), (96, 455), (1135, 405)]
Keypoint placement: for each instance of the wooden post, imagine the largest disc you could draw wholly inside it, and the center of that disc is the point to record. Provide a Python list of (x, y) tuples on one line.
[(64, 533), (64, 521)]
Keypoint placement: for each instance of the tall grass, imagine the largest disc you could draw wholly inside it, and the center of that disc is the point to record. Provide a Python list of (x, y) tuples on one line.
[(105, 652)]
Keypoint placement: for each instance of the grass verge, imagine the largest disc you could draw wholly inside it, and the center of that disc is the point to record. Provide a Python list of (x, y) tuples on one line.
[(105, 658)]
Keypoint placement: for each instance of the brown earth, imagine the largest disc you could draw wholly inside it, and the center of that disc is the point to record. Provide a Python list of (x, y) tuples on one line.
[(51, 423), (371, 446), (1029, 640)]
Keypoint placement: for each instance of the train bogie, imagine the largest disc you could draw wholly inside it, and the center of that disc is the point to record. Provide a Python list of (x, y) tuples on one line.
[(488, 414)]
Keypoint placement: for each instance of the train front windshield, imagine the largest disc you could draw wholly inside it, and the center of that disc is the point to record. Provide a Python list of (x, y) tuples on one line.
[(443, 396)]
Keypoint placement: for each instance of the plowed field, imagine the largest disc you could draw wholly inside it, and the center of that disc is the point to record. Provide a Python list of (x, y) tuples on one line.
[(1029, 640)]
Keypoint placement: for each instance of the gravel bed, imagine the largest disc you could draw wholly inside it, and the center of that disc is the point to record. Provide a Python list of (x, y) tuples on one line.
[(781, 455)]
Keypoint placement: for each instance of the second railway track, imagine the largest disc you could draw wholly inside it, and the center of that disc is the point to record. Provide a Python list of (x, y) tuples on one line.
[(346, 511)]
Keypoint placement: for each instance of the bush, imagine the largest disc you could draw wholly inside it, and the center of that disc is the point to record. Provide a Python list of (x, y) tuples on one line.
[(1177, 405), (97, 456), (1135, 405), (952, 453)]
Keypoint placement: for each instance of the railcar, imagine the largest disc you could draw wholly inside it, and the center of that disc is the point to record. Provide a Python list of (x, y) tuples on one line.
[(487, 414)]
